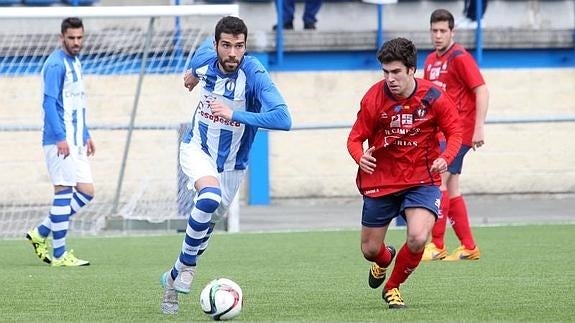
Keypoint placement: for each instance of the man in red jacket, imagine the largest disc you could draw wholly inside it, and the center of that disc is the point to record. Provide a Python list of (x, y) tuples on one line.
[(453, 69), (399, 172)]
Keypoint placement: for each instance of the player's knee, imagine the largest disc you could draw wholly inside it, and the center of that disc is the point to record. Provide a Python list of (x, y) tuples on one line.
[(86, 189), (89, 194), (416, 243), (209, 199), (369, 251)]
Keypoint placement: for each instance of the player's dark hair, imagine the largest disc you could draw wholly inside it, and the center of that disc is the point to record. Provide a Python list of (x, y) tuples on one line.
[(71, 22), (442, 15), (231, 25), (398, 49)]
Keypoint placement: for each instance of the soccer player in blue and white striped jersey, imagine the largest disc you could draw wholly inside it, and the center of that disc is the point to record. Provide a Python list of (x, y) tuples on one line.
[(67, 145), (237, 96)]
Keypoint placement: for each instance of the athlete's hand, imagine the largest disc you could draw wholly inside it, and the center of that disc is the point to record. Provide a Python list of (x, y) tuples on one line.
[(367, 161), (90, 147), (190, 81), (63, 148), (439, 166), (478, 138), (221, 110)]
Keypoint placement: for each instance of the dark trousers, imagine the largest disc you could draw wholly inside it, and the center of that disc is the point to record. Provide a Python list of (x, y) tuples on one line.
[(310, 11), (470, 6)]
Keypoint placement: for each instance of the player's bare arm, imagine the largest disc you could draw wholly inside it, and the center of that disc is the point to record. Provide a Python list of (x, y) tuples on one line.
[(367, 161), (91, 147), (221, 110), (190, 81), (481, 101), (63, 148), (439, 166)]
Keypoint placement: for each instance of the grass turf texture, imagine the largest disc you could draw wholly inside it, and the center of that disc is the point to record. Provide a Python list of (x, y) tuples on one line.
[(525, 274)]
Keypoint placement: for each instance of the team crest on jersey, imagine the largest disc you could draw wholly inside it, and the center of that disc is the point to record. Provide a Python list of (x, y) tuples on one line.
[(421, 112), (230, 85)]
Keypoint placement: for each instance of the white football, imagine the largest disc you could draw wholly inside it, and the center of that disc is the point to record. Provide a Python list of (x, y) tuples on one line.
[(221, 299)]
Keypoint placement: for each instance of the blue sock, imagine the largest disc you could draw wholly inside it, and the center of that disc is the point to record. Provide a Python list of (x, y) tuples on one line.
[(207, 203), (79, 200), (60, 218)]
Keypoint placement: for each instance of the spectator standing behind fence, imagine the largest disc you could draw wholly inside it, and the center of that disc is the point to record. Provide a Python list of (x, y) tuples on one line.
[(237, 96), (310, 11), (451, 67), (67, 145), (399, 172), (469, 18)]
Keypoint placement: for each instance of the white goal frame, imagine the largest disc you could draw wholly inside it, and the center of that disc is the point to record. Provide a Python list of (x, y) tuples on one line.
[(119, 11), (151, 12)]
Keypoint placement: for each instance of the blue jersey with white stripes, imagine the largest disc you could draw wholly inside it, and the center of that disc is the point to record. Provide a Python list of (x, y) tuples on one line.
[(254, 98), (64, 105)]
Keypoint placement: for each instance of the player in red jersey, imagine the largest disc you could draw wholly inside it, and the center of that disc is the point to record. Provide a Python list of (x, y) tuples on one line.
[(399, 172), (451, 67)]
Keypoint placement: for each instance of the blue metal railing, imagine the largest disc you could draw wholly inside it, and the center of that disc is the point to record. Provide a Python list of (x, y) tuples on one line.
[(479, 31), (279, 33)]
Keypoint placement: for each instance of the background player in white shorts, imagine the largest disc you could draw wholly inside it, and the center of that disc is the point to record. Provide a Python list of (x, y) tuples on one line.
[(237, 97), (67, 145)]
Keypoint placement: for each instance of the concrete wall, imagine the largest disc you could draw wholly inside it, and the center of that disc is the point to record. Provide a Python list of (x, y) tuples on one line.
[(516, 158)]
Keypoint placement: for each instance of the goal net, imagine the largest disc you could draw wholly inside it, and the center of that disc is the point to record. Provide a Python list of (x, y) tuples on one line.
[(133, 60)]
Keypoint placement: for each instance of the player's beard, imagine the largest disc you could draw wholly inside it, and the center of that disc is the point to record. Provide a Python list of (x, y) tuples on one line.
[(225, 64), (73, 50)]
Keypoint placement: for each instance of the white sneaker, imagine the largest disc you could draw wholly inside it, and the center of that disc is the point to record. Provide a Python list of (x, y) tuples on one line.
[(183, 283), (170, 304)]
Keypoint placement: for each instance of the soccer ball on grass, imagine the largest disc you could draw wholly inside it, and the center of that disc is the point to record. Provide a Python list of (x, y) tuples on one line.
[(221, 299)]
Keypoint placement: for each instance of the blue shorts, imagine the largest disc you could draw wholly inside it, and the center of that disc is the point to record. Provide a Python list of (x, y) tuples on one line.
[(457, 164), (379, 211)]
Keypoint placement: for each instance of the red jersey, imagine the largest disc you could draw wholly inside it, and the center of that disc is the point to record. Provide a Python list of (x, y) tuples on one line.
[(403, 132), (457, 74)]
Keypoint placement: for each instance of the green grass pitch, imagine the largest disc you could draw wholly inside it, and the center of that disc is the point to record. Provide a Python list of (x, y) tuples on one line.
[(526, 273)]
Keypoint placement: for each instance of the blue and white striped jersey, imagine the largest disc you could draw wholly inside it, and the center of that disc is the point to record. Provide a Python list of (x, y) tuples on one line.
[(254, 98), (64, 105)]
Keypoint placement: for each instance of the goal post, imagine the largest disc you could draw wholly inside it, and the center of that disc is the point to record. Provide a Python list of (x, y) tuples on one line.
[(120, 11), (133, 60)]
